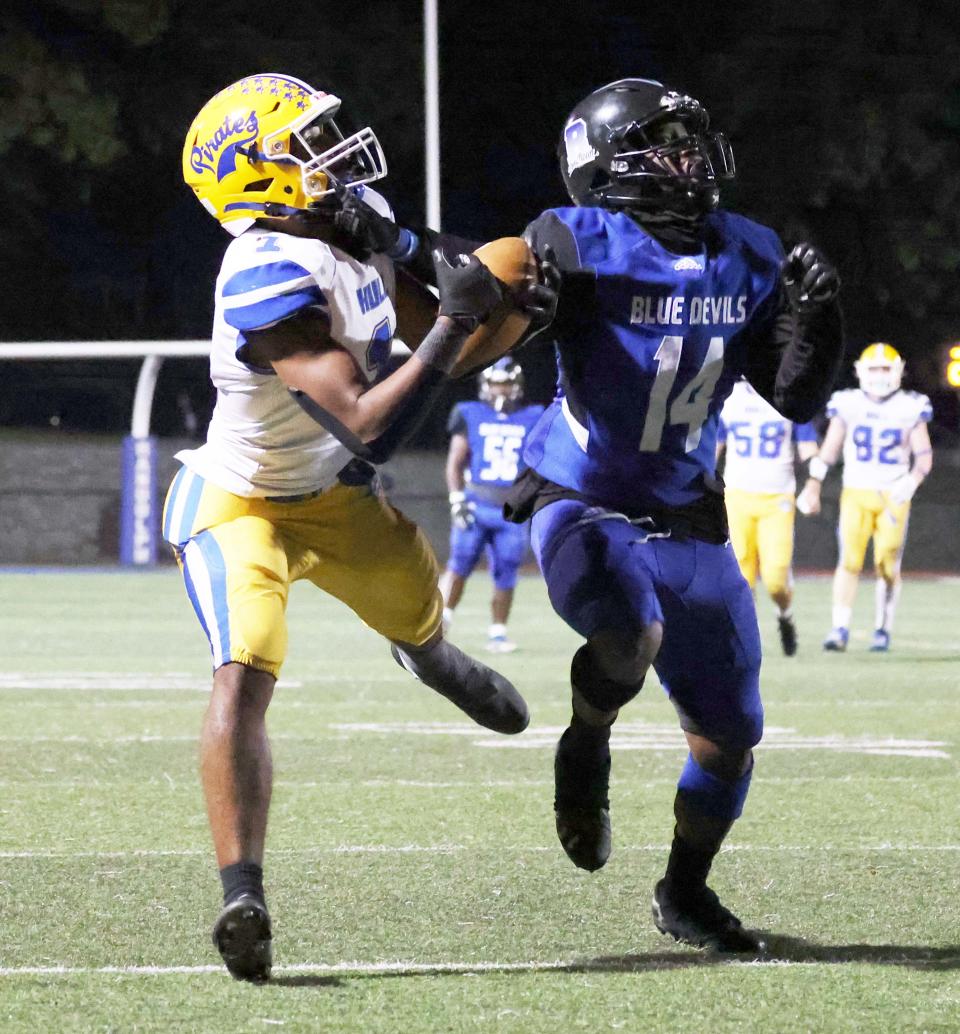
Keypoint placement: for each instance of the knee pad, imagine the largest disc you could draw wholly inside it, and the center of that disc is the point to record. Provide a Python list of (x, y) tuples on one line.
[(599, 692)]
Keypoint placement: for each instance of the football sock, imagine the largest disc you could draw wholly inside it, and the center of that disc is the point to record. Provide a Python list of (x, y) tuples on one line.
[(242, 878), (705, 807), (887, 597), (688, 866), (497, 631), (841, 616)]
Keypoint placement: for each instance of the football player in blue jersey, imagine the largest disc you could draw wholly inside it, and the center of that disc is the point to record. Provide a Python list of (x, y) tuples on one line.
[(283, 488), (665, 300), (486, 440)]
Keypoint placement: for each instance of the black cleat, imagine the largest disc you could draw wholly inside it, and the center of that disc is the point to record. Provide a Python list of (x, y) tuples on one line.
[(581, 770), (699, 919), (480, 692), (243, 937), (788, 635)]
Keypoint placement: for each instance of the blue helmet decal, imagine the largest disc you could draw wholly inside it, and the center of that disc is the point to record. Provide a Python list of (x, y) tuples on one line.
[(202, 155)]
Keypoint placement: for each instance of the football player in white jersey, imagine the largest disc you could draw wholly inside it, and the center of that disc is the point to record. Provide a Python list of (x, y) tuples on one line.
[(881, 432), (760, 483), (283, 489)]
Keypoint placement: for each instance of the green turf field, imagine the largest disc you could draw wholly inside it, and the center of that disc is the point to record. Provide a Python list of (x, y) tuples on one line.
[(412, 870)]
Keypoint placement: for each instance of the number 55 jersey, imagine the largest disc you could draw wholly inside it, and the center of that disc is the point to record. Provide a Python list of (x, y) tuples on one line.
[(496, 442), (876, 448), (649, 345)]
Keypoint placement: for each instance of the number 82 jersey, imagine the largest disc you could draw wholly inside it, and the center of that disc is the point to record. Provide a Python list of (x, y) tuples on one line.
[(876, 447)]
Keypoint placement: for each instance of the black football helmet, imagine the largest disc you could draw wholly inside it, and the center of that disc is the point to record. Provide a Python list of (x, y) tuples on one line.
[(504, 373), (638, 146)]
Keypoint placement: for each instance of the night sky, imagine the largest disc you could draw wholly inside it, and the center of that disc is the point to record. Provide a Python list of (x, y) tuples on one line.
[(845, 124)]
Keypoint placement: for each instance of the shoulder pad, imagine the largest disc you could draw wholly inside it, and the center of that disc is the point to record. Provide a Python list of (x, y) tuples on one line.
[(754, 238)]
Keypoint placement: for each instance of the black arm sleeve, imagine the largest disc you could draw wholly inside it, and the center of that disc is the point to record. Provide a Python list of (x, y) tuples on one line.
[(794, 362)]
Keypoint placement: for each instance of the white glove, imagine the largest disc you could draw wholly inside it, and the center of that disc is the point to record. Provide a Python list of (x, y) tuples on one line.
[(462, 511), (901, 491), (808, 503)]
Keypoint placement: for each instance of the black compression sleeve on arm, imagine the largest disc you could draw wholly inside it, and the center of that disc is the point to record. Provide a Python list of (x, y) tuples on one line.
[(795, 363)]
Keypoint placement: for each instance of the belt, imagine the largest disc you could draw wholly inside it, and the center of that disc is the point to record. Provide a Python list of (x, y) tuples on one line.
[(302, 498), (356, 472)]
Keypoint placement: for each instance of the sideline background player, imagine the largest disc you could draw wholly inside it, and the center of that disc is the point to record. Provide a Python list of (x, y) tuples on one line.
[(483, 460), (881, 431), (760, 483)]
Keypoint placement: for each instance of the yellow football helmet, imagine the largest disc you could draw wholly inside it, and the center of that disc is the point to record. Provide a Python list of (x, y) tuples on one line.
[(879, 369), (268, 146)]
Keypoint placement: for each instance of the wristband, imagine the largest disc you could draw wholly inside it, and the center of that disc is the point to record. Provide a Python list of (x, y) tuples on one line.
[(456, 497), (817, 468), (405, 247)]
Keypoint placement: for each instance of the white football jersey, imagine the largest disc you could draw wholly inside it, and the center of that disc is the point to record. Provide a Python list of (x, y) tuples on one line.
[(759, 443), (260, 441), (876, 449)]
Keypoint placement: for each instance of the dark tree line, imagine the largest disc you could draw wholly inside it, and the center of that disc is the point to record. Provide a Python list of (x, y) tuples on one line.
[(846, 128)]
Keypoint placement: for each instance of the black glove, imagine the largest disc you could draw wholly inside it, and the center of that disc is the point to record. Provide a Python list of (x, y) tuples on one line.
[(362, 226), (539, 300), (469, 292), (808, 275)]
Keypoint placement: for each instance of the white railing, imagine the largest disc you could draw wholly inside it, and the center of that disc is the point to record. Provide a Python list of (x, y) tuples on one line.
[(152, 352)]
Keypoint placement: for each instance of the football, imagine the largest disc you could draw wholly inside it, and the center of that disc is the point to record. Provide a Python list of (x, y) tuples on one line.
[(511, 261)]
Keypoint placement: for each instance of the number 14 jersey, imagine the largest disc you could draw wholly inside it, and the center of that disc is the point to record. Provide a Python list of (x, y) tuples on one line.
[(649, 345)]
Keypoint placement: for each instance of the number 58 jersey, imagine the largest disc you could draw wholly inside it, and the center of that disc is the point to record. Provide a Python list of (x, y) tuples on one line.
[(759, 443), (876, 448), (649, 345)]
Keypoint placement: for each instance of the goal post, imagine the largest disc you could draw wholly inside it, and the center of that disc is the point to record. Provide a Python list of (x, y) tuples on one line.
[(140, 505)]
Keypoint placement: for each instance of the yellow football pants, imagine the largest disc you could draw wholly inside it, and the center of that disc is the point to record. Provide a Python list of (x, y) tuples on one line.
[(761, 533), (866, 513), (239, 557)]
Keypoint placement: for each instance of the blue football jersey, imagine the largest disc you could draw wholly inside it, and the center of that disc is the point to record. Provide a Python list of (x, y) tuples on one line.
[(496, 442), (648, 349)]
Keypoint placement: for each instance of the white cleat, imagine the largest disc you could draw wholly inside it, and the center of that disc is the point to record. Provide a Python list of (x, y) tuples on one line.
[(500, 644)]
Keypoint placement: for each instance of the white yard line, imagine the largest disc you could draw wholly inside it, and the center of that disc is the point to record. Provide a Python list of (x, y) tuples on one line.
[(111, 784), (114, 681), (400, 967), (629, 736), (446, 849)]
